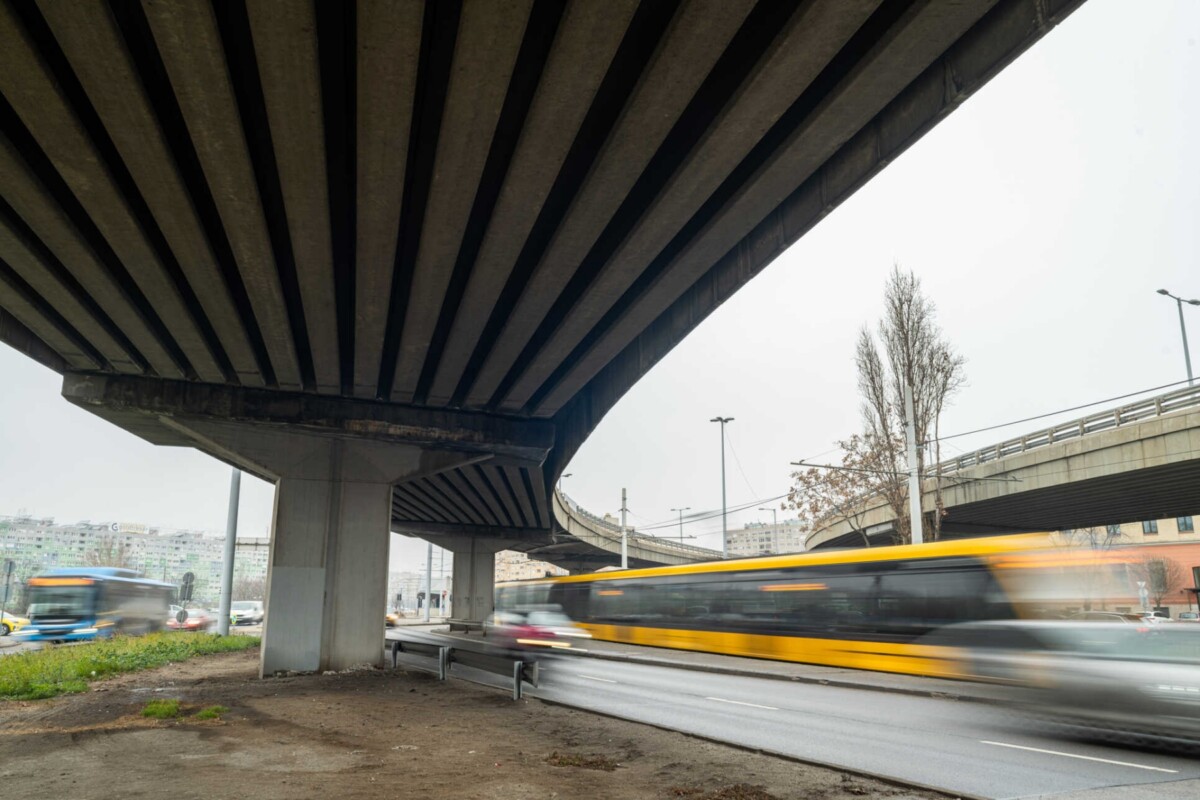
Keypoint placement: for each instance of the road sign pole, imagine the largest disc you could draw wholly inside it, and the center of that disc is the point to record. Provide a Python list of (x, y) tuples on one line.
[(231, 522), (8, 571)]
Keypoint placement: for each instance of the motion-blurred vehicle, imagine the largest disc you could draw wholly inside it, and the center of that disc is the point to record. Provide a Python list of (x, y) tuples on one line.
[(1108, 616), (246, 612), (80, 603), (393, 619), (862, 609), (1189, 616), (533, 629), (195, 619), (1156, 616), (1136, 683), (11, 622)]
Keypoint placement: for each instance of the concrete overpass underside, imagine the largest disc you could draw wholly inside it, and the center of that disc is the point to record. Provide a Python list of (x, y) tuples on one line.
[(426, 246)]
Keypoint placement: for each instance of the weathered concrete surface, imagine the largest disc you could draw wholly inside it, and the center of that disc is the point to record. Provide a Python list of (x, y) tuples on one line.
[(157, 401), (1142, 470)]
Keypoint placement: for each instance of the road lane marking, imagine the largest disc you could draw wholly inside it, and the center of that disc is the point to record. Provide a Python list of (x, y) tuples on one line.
[(592, 678), (1084, 758), (739, 703)]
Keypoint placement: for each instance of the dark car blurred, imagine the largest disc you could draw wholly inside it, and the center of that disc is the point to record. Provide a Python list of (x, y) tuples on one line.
[(194, 619), (533, 629), (1138, 683)]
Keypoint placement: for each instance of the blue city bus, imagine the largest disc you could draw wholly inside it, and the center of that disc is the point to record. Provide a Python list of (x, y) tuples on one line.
[(80, 603)]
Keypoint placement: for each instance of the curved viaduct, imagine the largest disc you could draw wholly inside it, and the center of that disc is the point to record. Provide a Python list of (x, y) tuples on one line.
[(400, 258), (1137, 462)]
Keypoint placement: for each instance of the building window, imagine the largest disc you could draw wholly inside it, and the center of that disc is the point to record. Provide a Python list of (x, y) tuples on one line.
[(1185, 525), (1113, 530), (1150, 526)]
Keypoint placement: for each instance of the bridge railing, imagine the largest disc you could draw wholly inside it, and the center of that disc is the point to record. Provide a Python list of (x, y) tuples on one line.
[(655, 542), (1149, 408)]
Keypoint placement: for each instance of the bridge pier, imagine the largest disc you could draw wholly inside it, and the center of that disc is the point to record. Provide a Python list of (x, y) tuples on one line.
[(335, 464), (473, 585)]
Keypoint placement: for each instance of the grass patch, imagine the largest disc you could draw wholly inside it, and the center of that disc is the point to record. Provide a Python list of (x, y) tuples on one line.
[(212, 712), (161, 709), (61, 670), (586, 762)]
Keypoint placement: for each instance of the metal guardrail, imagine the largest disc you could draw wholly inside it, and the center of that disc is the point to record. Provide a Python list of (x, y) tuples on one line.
[(1168, 403), (512, 665), (661, 543)]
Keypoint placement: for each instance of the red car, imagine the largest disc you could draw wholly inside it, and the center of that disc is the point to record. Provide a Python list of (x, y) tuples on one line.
[(193, 619), (533, 629)]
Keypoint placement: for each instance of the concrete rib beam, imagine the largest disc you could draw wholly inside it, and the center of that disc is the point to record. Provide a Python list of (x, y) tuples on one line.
[(38, 100), (489, 36), (31, 269), (91, 42), (14, 334), (911, 46), (14, 303), (36, 208), (810, 40), (587, 38), (190, 45), (389, 45), (285, 42), (694, 42)]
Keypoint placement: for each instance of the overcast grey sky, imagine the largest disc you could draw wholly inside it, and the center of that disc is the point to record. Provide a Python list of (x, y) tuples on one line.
[(1041, 217)]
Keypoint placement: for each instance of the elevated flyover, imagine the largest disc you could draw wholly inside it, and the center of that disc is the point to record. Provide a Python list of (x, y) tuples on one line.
[(401, 257), (584, 542), (1136, 462)]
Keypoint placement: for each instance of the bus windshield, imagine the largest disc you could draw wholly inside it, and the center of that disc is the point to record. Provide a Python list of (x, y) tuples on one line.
[(54, 600)]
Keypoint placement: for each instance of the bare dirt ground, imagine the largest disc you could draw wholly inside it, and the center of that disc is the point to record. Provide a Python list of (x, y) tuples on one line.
[(369, 734)]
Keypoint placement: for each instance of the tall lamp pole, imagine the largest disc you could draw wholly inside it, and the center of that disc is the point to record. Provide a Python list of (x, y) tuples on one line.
[(561, 478), (724, 521), (1179, 301), (681, 510), (774, 517)]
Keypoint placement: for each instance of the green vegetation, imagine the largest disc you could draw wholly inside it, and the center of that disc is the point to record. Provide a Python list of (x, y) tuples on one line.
[(212, 712), (161, 709), (60, 670)]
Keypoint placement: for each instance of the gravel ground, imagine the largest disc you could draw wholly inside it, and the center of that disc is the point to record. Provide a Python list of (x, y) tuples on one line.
[(369, 734)]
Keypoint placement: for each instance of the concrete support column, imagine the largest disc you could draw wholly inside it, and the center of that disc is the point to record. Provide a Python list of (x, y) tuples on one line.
[(472, 591), (327, 583)]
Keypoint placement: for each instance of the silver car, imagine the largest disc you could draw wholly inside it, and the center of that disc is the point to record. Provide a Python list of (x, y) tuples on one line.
[(1136, 683)]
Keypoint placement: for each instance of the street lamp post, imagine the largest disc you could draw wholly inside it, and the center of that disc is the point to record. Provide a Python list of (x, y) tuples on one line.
[(1179, 301), (561, 478), (774, 517), (724, 522), (681, 510)]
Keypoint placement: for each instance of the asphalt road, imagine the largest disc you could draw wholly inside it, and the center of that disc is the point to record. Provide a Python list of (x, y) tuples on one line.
[(971, 749)]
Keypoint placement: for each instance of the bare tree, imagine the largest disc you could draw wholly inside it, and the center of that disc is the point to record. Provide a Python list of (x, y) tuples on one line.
[(826, 495), (246, 587), (914, 354), (1161, 575), (108, 552)]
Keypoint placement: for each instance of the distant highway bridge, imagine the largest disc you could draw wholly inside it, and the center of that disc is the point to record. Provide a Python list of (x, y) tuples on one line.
[(1136, 462)]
